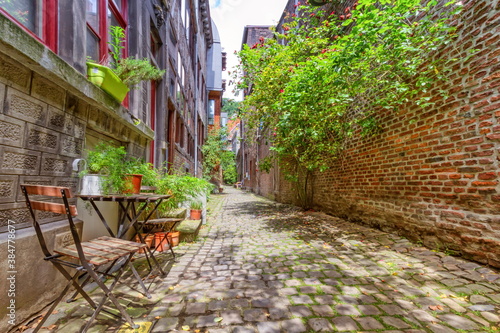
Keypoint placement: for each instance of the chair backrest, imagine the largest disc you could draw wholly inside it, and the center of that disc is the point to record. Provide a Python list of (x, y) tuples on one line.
[(48, 192), (148, 189)]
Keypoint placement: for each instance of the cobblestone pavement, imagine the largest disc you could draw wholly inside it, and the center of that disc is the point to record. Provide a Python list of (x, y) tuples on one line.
[(259, 266)]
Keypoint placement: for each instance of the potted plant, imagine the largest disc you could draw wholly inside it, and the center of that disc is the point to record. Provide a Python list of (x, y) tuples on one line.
[(124, 73), (106, 169), (195, 212)]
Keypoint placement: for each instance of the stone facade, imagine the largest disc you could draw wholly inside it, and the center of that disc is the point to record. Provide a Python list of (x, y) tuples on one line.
[(431, 175), (50, 113)]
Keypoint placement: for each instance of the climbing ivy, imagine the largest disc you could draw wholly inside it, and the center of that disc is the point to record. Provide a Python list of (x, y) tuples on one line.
[(327, 75)]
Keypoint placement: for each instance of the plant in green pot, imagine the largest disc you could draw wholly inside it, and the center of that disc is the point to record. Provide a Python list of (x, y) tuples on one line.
[(128, 71)]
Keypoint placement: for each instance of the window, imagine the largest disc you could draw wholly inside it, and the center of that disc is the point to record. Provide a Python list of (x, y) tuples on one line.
[(211, 111), (100, 16), (37, 17)]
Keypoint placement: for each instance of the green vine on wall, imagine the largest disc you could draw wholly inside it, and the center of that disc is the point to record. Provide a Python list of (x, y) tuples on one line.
[(325, 78)]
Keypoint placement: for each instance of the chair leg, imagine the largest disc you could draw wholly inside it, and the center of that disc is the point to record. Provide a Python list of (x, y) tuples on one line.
[(108, 294), (79, 288), (56, 302), (156, 261), (137, 276)]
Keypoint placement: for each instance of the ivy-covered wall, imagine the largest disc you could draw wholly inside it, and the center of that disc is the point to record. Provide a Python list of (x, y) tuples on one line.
[(432, 174)]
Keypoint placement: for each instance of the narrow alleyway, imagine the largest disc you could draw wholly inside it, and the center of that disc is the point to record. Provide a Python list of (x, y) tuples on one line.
[(262, 267)]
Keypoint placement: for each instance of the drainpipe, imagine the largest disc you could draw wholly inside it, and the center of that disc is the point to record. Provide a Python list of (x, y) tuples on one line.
[(196, 6)]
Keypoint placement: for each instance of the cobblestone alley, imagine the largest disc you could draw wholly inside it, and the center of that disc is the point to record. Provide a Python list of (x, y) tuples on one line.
[(259, 266)]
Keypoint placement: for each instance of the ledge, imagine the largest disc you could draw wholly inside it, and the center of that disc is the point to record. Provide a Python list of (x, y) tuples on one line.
[(20, 46)]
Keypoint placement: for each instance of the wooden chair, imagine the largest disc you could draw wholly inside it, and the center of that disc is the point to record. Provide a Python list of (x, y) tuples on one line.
[(94, 257), (158, 223)]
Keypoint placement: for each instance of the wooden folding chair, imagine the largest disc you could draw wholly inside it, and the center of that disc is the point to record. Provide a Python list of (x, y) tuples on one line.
[(159, 223), (94, 257)]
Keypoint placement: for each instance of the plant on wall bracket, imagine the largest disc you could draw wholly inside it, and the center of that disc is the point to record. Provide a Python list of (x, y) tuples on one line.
[(313, 88)]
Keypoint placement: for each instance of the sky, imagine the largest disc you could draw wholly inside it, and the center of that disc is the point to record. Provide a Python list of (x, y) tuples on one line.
[(231, 17)]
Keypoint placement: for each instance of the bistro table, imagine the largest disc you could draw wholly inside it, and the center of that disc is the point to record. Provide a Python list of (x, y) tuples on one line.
[(132, 207)]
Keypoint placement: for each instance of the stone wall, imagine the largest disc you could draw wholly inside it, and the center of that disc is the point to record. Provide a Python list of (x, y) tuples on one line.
[(48, 110), (432, 174)]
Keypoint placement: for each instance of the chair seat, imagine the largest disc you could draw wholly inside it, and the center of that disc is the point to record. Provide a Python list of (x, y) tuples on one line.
[(102, 250)]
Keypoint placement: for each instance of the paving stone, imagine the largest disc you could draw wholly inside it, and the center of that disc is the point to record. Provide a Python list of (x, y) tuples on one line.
[(320, 325), (391, 309), (254, 315), (369, 310), (458, 322), (288, 291), (423, 316), (436, 328), (231, 317), (307, 290), (344, 324), (347, 310), (268, 327), (395, 322), (278, 313), (300, 311), (301, 299), (322, 310), (293, 326), (369, 323), (325, 299), (243, 329), (196, 308)]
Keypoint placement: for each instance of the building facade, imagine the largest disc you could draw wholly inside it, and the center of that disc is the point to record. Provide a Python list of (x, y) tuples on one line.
[(50, 113)]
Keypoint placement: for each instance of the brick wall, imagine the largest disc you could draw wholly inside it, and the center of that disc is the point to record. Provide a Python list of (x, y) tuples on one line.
[(432, 174)]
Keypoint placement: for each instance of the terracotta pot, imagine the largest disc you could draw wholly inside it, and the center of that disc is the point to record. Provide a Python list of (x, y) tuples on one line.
[(173, 237), (161, 243), (148, 239), (195, 214), (132, 184)]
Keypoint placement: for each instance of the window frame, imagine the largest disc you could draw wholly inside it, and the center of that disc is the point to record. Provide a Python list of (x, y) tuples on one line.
[(50, 23), (103, 27)]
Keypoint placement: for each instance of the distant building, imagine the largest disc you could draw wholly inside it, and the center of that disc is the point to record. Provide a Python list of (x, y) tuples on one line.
[(247, 155)]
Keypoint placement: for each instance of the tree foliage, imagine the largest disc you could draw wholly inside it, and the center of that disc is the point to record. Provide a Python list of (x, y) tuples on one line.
[(219, 164), (230, 106), (325, 78)]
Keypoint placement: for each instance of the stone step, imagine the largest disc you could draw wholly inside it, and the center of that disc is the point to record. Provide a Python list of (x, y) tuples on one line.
[(189, 230)]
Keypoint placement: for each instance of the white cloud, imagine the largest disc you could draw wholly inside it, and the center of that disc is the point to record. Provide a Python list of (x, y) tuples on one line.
[(231, 16)]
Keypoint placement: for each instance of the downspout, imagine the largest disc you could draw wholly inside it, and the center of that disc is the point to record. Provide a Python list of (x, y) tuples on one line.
[(196, 6)]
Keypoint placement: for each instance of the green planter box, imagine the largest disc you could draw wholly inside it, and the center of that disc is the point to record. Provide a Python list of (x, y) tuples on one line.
[(105, 78)]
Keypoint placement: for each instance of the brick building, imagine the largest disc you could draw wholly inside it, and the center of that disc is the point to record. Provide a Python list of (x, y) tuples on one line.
[(431, 175), (248, 156), (50, 113)]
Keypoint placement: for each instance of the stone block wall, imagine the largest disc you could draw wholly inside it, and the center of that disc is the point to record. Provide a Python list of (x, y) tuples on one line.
[(432, 174), (47, 110)]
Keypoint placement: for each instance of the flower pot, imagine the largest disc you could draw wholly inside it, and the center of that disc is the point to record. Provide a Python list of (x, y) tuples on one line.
[(161, 243), (132, 184), (148, 239), (107, 80), (195, 214), (173, 237), (91, 185)]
